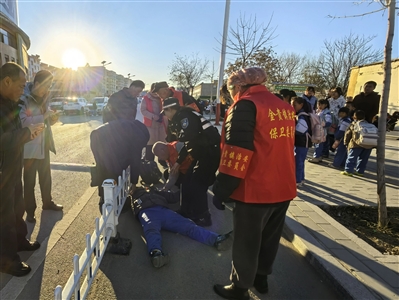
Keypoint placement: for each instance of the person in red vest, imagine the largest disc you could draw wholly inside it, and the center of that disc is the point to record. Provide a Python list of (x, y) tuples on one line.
[(163, 90), (169, 152), (151, 107), (257, 173)]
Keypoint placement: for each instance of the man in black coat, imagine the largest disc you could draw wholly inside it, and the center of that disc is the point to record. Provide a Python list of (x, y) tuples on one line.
[(13, 229), (368, 101), (115, 146), (202, 142)]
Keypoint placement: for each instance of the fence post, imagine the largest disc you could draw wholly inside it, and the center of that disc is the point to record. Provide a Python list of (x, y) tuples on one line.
[(109, 201)]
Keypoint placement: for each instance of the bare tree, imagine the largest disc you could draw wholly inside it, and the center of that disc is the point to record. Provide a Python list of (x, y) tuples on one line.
[(339, 56), (310, 75), (248, 38), (186, 72), (381, 184), (291, 65)]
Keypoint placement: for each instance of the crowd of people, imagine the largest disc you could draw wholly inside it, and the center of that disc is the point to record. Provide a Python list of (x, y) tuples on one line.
[(260, 129)]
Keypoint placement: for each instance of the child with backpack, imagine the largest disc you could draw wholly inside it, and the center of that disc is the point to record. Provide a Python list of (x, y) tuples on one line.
[(341, 151), (303, 139), (360, 138), (323, 147)]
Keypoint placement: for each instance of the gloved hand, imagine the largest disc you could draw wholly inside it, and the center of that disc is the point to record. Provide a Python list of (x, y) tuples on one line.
[(160, 119), (218, 204)]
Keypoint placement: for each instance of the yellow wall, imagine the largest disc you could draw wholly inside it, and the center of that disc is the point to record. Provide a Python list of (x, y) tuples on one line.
[(360, 75)]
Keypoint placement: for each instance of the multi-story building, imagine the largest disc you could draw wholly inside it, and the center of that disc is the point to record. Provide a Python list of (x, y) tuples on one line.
[(33, 66), (14, 42), (120, 82), (205, 90), (111, 82)]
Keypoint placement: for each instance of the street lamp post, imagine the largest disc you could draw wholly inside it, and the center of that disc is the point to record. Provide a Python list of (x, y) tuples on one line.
[(105, 63)]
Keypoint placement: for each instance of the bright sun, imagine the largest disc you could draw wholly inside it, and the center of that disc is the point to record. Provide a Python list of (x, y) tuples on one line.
[(73, 58)]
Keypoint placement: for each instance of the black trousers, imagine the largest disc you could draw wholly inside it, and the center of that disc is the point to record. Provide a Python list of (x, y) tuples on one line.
[(13, 228), (196, 181), (42, 167), (257, 233)]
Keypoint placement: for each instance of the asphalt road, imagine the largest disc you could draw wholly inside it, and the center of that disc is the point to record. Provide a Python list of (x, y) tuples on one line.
[(193, 268)]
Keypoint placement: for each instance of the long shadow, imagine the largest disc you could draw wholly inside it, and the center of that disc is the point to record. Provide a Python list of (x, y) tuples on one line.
[(77, 119), (354, 260), (317, 191)]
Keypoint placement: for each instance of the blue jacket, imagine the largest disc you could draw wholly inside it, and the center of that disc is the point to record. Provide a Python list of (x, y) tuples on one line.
[(342, 126)]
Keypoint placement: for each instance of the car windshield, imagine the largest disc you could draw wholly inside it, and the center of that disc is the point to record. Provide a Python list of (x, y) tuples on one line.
[(99, 100)]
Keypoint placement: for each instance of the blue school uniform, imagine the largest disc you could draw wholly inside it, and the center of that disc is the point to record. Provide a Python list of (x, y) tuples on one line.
[(342, 151)]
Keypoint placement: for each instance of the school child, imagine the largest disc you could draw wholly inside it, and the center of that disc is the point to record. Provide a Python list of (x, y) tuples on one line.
[(358, 156), (322, 149), (341, 154), (302, 137), (351, 108)]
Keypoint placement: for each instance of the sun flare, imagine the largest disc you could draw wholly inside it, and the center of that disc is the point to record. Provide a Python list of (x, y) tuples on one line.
[(73, 58)]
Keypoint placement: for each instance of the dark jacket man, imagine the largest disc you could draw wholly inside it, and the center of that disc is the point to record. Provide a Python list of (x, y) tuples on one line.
[(368, 101), (123, 104)]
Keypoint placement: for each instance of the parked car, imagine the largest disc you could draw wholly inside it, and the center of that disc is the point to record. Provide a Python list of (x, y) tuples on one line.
[(57, 103), (101, 102), (77, 105)]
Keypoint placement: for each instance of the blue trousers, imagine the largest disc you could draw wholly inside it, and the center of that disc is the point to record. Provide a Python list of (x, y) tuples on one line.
[(357, 160), (155, 218), (300, 156), (340, 156), (322, 148)]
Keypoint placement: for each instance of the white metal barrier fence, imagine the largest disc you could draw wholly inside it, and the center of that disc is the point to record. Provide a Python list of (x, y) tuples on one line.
[(114, 199)]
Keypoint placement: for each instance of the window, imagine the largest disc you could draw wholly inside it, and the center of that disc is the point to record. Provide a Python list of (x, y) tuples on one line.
[(12, 59), (6, 58)]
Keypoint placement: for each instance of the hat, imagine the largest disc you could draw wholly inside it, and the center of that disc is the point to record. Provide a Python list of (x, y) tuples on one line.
[(169, 102), (248, 76), (158, 86)]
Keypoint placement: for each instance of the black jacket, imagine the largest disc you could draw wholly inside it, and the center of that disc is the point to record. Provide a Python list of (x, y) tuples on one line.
[(121, 105), (239, 128), (116, 145), (370, 104), (143, 199), (12, 140), (197, 133)]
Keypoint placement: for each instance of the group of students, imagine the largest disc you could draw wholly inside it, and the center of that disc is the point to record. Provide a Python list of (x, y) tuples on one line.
[(341, 123)]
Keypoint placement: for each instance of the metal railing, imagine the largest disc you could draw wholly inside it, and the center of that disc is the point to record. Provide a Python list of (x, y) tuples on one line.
[(114, 199)]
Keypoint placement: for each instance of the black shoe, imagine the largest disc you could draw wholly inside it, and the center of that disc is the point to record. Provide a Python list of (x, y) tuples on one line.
[(18, 269), (52, 206), (204, 221), (158, 258), (30, 218), (260, 284), (231, 292), (224, 241), (28, 246)]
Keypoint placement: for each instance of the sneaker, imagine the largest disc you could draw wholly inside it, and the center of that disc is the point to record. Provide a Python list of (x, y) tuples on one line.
[(347, 173), (28, 246), (224, 241), (358, 174), (315, 160), (158, 258), (17, 268), (52, 206)]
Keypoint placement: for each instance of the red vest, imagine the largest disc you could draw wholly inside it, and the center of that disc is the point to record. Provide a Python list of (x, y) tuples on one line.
[(147, 121), (270, 174), (179, 96), (173, 155)]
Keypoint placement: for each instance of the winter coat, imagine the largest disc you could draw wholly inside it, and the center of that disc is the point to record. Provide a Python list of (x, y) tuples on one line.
[(370, 104), (303, 130), (336, 104), (350, 134), (12, 140), (121, 105), (156, 129), (143, 199), (32, 112)]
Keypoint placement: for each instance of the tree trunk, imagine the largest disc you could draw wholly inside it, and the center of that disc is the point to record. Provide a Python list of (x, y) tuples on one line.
[(381, 188)]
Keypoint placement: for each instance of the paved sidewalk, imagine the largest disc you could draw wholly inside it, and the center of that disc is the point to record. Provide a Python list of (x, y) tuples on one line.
[(356, 269)]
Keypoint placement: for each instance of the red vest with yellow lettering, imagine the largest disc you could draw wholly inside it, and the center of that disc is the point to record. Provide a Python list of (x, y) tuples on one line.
[(147, 121), (174, 154), (268, 172)]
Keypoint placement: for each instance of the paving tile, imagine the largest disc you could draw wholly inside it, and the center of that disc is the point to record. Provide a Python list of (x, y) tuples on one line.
[(333, 232), (309, 224), (327, 241), (385, 273), (356, 250), (377, 285), (303, 206), (297, 212), (349, 260), (317, 218)]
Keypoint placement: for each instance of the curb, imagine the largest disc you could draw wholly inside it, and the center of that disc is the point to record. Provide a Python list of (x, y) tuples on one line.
[(348, 286)]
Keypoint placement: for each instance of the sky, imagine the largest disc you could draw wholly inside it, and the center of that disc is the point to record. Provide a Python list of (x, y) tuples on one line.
[(143, 37)]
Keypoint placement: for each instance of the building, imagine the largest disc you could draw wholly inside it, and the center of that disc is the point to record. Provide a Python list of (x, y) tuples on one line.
[(205, 90), (33, 66), (14, 42), (375, 72), (110, 82)]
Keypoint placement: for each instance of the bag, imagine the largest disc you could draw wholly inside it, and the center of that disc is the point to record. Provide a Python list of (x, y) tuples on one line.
[(318, 132), (149, 172), (365, 135), (334, 124)]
